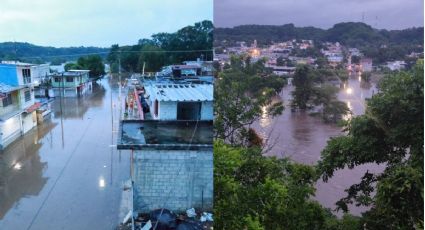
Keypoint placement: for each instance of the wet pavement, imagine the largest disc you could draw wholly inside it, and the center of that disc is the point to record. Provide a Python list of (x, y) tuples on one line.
[(66, 173), (301, 137)]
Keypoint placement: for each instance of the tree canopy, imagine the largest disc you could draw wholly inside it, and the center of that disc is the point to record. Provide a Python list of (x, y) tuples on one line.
[(389, 133), (188, 43), (255, 192), (308, 94), (241, 92)]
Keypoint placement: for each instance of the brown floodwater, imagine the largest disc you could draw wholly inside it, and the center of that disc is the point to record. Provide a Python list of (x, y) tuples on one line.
[(67, 173), (301, 137)]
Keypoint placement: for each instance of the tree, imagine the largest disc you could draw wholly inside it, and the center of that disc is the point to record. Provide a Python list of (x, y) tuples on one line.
[(355, 59), (93, 63), (389, 133), (165, 49), (255, 192), (152, 57), (303, 82), (308, 94), (71, 66), (280, 61), (240, 94), (113, 57), (321, 62)]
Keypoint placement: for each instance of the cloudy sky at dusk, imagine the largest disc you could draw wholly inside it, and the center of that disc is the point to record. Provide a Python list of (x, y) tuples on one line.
[(388, 14), (96, 22)]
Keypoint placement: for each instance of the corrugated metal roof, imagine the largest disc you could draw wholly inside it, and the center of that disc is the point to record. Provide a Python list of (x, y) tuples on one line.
[(180, 92)]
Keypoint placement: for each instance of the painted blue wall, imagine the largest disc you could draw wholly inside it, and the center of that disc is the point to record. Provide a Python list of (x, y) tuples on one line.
[(8, 74)]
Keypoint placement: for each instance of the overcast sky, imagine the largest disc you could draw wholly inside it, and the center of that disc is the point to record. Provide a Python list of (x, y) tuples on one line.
[(388, 14), (96, 22)]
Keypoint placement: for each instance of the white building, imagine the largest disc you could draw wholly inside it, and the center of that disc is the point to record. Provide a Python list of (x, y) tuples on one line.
[(171, 101), (396, 65)]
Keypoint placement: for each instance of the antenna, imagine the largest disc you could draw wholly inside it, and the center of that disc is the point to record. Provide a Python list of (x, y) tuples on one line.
[(363, 16), (376, 21), (15, 50)]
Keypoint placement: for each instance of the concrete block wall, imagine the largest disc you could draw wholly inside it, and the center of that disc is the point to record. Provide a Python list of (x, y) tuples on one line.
[(173, 179)]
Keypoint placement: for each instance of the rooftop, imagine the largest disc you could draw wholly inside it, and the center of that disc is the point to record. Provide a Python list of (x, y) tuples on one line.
[(8, 88), (72, 73), (168, 135), (180, 92), (79, 70)]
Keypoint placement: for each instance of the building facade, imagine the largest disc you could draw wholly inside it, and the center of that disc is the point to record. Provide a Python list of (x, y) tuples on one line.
[(17, 103), (180, 101), (72, 83), (172, 164)]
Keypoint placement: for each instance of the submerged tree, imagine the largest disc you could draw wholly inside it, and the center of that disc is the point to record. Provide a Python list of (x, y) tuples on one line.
[(303, 82), (389, 133), (241, 94), (312, 89)]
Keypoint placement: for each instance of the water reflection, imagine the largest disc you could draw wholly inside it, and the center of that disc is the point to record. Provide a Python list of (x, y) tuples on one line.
[(76, 107), (21, 169), (265, 119), (57, 185)]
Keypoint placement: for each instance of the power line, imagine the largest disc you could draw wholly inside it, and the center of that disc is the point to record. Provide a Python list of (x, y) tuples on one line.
[(121, 51)]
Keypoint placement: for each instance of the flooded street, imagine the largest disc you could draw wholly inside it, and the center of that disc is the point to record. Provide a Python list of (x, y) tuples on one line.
[(66, 173), (301, 137)]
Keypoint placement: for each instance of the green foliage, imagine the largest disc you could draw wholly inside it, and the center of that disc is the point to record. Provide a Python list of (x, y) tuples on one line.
[(165, 49), (308, 94), (280, 61), (321, 62), (252, 191), (153, 58), (30, 53), (309, 52), (93, 63), (303, 82), (241, 92), (390, 133), (72, 66)]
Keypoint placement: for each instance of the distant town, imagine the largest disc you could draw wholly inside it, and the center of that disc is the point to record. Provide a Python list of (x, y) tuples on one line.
[(282, 57)]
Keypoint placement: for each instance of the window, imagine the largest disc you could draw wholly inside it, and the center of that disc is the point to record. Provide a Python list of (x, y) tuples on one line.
[(7, 100), (26, 74), (69, 79), (57, 79), (27, 96)]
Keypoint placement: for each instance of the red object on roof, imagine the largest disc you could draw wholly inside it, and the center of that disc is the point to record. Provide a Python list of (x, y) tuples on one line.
[(33, 107)]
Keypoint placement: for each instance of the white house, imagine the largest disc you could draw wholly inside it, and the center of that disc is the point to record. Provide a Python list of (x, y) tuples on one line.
[(174, 101)]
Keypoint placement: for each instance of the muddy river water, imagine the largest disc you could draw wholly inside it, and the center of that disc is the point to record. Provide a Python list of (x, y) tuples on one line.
[(301, 137)]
